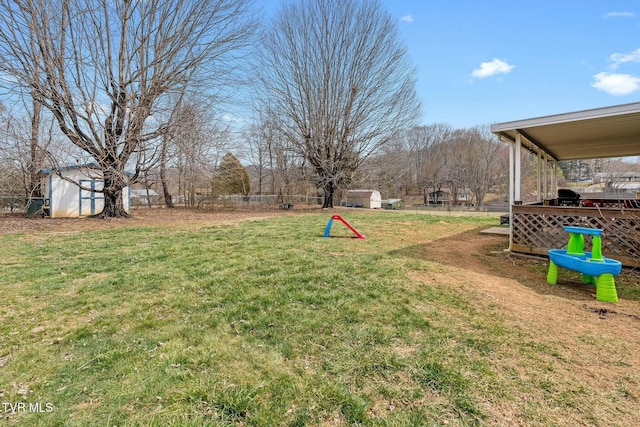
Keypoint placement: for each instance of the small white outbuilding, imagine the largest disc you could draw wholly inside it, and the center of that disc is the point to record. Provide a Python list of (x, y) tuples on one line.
[(364, 198), (74, 191)]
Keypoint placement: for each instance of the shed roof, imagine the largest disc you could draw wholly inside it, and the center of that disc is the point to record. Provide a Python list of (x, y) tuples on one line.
[(362, 192), (49, 171), (588, 134)]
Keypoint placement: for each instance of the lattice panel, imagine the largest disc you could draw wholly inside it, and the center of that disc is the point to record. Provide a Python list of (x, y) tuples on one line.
[(622, 235), (541, 228), (540, 231)]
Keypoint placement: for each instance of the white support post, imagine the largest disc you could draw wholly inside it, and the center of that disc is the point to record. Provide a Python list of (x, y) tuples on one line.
[(539, 195), (512, 157), (518, 169), (545, 189), (554, 179), (512, 149)]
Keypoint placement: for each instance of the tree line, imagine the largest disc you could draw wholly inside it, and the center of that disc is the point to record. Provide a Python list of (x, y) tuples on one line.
[(326, 90), (420, 160)]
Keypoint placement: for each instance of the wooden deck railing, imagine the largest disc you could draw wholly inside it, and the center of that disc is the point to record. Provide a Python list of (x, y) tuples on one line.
[(538, 228)]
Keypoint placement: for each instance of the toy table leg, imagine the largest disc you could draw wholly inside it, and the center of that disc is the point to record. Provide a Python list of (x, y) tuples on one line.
[(606, 288), (552, 275)]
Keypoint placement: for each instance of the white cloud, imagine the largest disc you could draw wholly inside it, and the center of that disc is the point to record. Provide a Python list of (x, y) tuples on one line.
[(407, 18), (616, 84), (621, 58), (488, 69), (231, 118), (619, 15)]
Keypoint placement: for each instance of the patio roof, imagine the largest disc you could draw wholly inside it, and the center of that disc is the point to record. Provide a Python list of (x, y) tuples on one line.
[(589, 134)]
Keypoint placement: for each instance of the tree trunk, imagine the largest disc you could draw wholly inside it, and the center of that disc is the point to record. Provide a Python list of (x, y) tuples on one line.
[(328, 195), (113, 203), (168, 200), (260, 172), (191, 196), (113, 206), (35, 164), (148, 197)]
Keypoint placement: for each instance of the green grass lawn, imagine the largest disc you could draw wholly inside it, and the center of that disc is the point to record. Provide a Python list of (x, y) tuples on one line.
[(262, 323)]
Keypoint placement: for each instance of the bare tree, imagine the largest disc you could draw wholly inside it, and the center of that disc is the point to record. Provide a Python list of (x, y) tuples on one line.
[(260, 138), (259, 156), (482, 162), (26, 141), (472, 159), (339, 81), (162, 173), (282, 160), (454, 163), (102, 67), (197, 144), (289, 166), (387, 171), (11, 172), (185, 149), (426, 147)]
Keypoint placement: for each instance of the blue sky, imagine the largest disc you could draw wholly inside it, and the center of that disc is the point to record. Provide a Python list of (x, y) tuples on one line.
[(486, 61), (481, 62)]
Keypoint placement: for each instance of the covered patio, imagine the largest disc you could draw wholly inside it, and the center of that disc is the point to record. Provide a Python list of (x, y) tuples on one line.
[(609, 132)]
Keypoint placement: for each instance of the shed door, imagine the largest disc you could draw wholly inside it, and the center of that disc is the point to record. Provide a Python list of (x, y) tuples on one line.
[(91, 202)]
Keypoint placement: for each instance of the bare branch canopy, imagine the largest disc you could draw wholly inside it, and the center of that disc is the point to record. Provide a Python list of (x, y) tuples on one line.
[(338, 78)]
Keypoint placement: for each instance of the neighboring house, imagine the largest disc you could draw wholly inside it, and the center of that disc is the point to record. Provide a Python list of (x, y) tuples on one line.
[(465, 196), (74, 191), (618, 177), (439, 197), (364, 198), (625, 184), (442, 197)]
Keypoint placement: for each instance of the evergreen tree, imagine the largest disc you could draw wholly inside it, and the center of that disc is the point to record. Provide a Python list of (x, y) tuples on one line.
[(232, 177)]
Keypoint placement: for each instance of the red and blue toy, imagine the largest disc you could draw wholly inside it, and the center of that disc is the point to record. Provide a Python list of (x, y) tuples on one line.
[(349, 226)]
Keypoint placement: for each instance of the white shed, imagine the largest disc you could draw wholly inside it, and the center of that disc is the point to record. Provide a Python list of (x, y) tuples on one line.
[(74, 191), (364, 198)]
